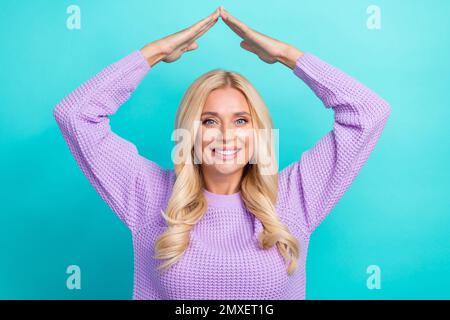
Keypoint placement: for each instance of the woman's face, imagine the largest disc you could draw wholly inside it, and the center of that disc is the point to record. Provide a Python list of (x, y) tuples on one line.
[(226, 130)]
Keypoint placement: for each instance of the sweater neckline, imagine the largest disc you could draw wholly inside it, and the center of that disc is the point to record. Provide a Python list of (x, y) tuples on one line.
[(233, 200)]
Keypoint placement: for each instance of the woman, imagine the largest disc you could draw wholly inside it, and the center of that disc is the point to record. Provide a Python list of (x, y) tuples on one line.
[(214, 227)]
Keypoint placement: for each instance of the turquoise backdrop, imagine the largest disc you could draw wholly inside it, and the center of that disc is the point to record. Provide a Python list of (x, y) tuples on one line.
[(396, 214)]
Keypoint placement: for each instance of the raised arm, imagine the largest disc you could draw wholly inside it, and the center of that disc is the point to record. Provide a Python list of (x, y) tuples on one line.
[(130, 184), (124, 179), (315, 183)]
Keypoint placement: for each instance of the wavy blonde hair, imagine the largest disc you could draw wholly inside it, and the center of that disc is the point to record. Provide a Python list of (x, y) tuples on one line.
[(187, 203)]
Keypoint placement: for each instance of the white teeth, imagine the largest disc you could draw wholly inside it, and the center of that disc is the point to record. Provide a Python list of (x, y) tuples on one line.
[(226, 152)]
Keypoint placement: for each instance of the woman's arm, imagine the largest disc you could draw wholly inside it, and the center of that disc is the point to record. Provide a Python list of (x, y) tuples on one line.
[(130, 184), (315, 183), (124, 179)]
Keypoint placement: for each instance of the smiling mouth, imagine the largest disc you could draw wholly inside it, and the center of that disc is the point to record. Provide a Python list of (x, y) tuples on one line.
[(226, 153)]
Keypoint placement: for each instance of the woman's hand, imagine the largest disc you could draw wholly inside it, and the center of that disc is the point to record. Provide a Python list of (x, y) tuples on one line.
[(266, 48), (170, 48)]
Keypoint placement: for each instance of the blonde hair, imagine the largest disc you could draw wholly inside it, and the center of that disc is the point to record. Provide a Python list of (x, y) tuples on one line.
[(187, 203)]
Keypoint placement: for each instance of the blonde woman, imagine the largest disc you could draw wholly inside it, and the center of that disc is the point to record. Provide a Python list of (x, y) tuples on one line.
[(215, 227)]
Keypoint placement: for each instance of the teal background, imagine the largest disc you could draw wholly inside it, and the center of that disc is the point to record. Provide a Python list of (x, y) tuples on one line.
[(395, 215)]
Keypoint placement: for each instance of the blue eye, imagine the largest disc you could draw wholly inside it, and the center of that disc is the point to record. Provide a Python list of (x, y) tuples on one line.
[(245, 121), (206, 121)]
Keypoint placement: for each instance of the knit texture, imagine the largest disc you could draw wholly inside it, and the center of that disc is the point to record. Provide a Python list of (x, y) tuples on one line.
[(223, 260)]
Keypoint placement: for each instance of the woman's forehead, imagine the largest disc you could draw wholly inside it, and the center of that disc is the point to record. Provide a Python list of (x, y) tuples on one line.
[(226, 101)]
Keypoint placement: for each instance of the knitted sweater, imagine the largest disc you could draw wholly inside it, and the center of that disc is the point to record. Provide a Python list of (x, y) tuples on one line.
[(223, 260)]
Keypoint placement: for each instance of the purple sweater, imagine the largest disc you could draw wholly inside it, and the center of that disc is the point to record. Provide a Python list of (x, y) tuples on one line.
[(223, 260)]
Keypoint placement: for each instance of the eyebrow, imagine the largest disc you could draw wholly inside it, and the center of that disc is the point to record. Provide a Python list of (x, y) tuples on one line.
[(236, 113)]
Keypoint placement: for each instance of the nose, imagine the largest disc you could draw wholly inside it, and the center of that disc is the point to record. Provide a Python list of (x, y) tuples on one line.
[(228, 136)]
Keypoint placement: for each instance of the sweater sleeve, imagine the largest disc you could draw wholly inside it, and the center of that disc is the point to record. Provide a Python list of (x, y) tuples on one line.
[(313, 185), (129, 183)]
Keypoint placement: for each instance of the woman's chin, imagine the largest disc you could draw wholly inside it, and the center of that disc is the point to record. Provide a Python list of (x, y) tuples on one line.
[(227, 169)]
